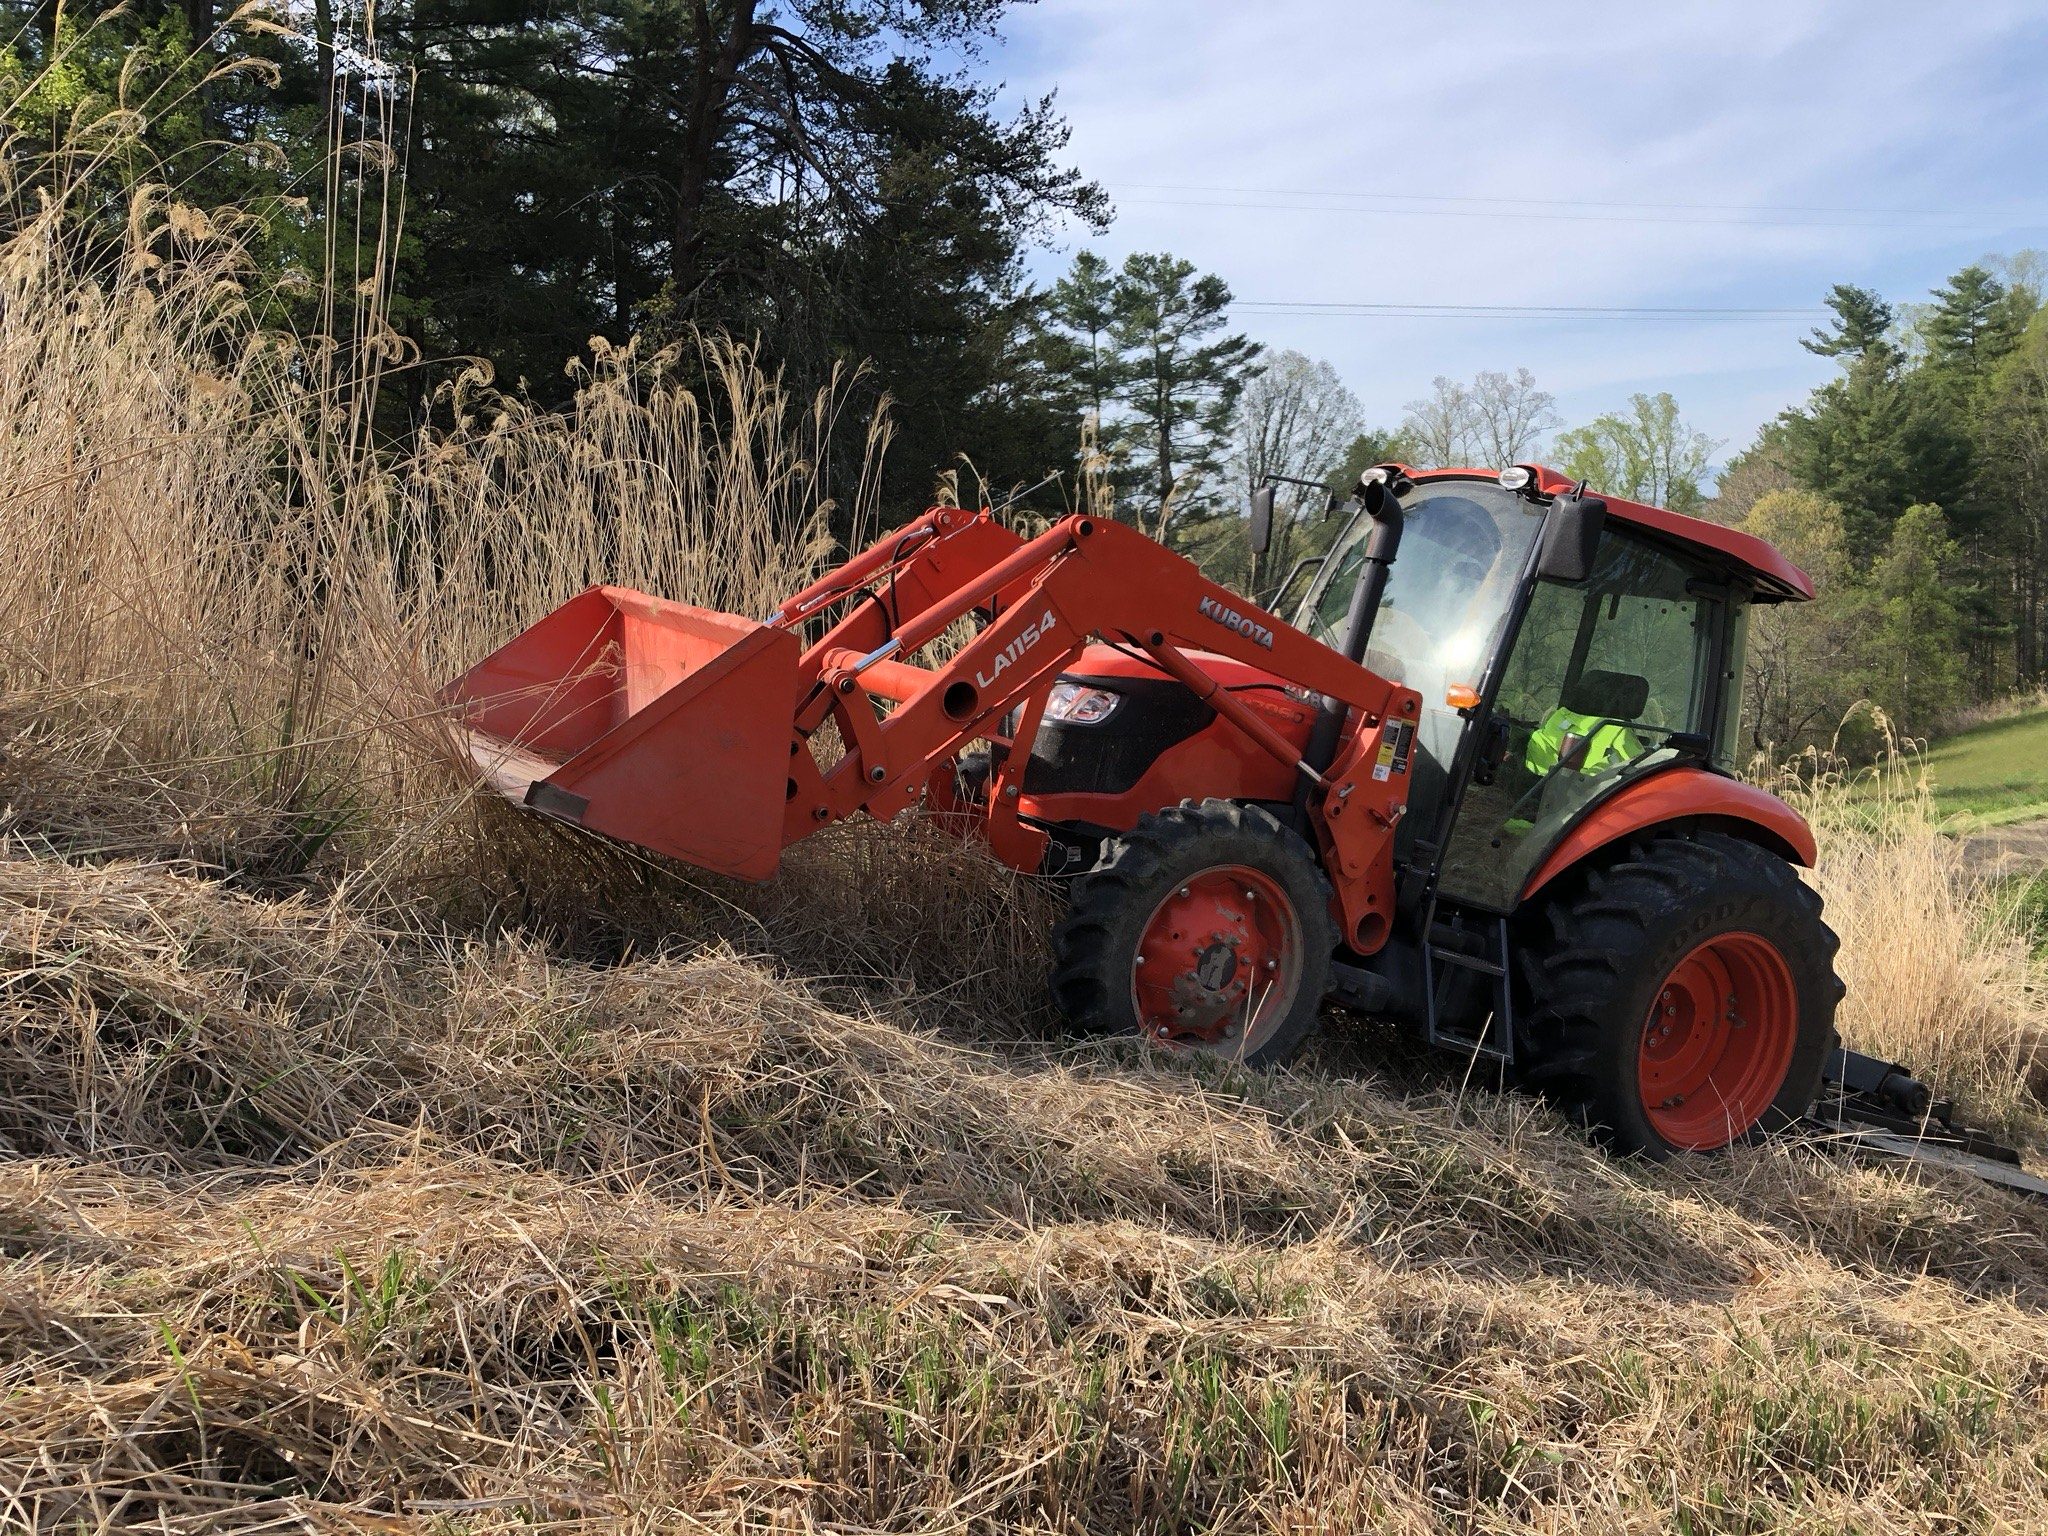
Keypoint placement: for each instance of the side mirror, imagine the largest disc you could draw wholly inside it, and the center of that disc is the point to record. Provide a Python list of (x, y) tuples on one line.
[(1571, 536), (1260, 532)]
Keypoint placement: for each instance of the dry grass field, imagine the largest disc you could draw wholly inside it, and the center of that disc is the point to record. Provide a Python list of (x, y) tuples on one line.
[(374, 1159)]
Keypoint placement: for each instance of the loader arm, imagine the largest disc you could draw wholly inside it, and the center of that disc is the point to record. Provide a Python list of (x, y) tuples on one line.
[(1081, 579), (692, 733)]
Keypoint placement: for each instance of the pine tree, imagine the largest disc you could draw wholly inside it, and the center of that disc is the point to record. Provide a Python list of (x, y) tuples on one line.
[(2016, 449), (1081, 310), (1917, 664), (1861, 327), (1972, 325), (1186, 372)]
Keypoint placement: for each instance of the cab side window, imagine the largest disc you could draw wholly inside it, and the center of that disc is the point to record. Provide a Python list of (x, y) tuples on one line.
[(1603, 672), (1628, 646)]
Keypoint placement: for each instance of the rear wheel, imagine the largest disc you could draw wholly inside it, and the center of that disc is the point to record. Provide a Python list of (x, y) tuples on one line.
[(1682, 994), (1206, 928)]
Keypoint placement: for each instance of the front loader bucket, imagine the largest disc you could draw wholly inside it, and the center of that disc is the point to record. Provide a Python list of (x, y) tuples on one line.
[(656, 723)]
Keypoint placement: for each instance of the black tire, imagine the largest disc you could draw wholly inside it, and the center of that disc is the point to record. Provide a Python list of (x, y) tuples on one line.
[(1097, 946), (1600, 949)]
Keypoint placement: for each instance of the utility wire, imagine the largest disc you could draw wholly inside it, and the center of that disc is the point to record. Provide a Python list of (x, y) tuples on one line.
[(1555, 202), (1555, 312), (1523, 215)]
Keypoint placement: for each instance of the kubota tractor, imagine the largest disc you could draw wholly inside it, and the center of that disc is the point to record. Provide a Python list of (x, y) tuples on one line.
[(1478, 778)]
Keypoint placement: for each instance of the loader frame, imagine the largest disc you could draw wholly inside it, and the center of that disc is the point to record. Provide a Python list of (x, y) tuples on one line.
[(898, 722)]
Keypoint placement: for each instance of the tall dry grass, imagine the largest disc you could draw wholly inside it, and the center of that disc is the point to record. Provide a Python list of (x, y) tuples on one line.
[(1943, 966), (224, 613), (207, 565)]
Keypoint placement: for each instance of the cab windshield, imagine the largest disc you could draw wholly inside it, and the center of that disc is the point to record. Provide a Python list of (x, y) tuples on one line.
[(1449, 592)]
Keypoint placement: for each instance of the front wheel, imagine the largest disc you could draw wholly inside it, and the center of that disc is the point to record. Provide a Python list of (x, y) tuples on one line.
[(1682, 994), (1206, 928)]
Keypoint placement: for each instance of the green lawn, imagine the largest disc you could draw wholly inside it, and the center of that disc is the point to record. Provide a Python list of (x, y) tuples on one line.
[(2030, 899), (1993, 773)]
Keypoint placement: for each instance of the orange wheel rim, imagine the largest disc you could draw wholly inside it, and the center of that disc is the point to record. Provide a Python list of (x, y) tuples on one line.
[(1718, 1041), (1219, 962)]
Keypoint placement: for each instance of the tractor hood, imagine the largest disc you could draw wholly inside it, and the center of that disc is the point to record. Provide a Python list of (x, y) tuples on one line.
[(1106, 663)]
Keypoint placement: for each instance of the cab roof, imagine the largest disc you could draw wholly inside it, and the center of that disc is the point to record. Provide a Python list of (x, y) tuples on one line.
[(1776, 579)]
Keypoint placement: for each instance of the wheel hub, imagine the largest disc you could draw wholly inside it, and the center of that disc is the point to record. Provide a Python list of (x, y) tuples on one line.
[(1219, 961), (1216, 966), (1717, 1041)]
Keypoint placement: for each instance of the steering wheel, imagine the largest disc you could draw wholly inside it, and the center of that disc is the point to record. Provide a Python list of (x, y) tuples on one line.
[(1535, 791)]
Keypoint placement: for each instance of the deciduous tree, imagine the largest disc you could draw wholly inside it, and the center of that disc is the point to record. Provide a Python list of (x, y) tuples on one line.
[(1509, 417), (1803, 664), (1296, 418), (1442, 425), (1644, 454)]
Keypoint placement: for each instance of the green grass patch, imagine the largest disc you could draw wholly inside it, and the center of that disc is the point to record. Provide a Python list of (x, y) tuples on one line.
[(2029, 896), (1993, 773)]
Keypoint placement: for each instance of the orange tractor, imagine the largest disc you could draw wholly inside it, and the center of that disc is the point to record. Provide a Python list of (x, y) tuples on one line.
[(1477, 779)]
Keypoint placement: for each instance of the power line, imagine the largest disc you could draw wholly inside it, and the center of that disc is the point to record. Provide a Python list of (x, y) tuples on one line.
[(1552, 202), (1524, 215), (1454, 311)]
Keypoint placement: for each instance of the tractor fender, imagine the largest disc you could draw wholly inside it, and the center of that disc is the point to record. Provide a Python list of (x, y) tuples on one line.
[(1682, 795)]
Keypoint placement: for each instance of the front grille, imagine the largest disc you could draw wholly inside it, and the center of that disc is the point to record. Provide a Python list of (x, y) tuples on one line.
[(1109, 758)]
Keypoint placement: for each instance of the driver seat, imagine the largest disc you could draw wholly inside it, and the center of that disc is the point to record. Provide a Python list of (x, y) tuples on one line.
[(1601, 706), (1619, 696)]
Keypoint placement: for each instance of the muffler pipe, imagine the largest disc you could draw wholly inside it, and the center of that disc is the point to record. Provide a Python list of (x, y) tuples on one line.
[(1382, 543)]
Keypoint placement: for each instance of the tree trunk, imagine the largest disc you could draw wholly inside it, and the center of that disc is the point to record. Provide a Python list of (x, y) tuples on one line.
[(323, 48), (719, 57)]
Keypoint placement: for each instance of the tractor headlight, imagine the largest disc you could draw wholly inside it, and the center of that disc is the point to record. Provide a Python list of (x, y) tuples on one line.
[(1079, 704)]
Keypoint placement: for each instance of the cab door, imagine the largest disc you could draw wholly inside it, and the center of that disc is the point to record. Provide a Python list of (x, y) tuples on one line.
[(1610, 678)]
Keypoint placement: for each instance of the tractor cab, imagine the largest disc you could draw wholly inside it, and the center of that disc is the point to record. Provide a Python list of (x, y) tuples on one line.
[(1547, 688)]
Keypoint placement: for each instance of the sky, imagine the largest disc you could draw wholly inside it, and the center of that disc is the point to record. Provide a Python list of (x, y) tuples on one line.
[(1674, 155)]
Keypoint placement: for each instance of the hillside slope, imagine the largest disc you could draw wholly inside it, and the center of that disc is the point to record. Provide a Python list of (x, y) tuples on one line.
[(372, 1158), (309, 1221), (1993, 773)]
